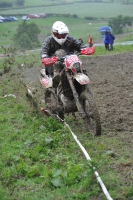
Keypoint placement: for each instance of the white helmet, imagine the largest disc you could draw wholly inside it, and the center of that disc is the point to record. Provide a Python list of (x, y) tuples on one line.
[(60, 32)]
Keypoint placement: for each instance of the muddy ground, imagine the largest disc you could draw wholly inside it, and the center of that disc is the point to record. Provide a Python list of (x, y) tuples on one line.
[(112, 85)]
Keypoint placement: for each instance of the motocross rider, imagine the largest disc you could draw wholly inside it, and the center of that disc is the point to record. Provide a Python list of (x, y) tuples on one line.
[(59, 40)]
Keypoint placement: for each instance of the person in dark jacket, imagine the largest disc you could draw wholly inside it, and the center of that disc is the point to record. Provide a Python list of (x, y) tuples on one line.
[(59, 40), (111, 41), (106, 40)]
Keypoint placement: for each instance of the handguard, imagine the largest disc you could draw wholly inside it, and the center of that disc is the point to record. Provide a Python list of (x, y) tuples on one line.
[(49, 61), (88, 51)]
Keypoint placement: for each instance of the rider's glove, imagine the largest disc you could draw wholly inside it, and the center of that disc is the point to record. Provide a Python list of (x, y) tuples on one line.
[(88, 51), (49, 61)]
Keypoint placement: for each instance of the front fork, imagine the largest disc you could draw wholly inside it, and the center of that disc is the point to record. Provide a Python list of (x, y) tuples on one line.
[(75, 95)]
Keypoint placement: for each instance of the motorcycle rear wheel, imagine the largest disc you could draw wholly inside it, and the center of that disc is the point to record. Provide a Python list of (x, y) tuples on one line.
[(92, 119), (51, 102)]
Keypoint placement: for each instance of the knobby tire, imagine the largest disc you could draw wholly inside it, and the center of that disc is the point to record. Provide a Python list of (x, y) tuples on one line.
[(92, 119)]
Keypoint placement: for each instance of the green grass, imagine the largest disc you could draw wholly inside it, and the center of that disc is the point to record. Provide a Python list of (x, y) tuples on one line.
[(36, 162), (126, 38), (7, 31), (37, 159), (78, 28), (98, 10), (100, 50), (40, 160)]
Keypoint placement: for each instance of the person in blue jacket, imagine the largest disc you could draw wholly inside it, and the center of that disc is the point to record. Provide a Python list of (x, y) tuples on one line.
[(106, 40), (111, 41)]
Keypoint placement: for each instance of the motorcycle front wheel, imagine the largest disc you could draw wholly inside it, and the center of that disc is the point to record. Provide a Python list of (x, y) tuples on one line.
[(92, 119), (51, 102)]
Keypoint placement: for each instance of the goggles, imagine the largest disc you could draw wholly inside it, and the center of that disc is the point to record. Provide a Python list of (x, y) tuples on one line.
[(60, 36)]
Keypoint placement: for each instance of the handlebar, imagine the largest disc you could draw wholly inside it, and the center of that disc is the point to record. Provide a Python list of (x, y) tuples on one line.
[(85, 51)]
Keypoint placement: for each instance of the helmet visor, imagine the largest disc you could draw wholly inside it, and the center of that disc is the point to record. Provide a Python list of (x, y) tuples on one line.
[(60, 36)]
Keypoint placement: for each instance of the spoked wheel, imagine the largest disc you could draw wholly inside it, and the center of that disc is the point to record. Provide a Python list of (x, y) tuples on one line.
[(92, 119), (51, 101)]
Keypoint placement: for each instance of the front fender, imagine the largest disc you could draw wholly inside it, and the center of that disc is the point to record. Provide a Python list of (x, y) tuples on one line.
[(82, 78)]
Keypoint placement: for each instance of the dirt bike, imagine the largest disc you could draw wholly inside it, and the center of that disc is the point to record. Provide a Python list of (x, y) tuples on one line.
[(72, 93)]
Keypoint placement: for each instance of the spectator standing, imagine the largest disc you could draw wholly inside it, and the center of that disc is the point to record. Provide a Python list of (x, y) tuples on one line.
[(90, 41), (111, 41), (106, 40)]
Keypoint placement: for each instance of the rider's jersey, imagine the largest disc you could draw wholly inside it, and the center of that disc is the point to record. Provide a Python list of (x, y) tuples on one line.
[(50, 46)]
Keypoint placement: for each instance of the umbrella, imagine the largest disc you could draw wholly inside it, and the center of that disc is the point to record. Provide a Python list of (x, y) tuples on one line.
[(103, 29)]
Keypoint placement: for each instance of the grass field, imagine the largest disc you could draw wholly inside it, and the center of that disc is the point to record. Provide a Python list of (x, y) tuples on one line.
[(98, 10), (79, 28)]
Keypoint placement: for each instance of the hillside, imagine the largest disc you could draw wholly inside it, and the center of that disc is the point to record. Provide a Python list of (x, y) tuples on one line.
[(111, 83)]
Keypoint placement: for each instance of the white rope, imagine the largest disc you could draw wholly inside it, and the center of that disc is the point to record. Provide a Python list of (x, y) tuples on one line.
[(88, 158), (105, 191)]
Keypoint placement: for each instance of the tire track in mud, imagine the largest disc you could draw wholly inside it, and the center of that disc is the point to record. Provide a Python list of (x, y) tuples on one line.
[(112, 83)]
